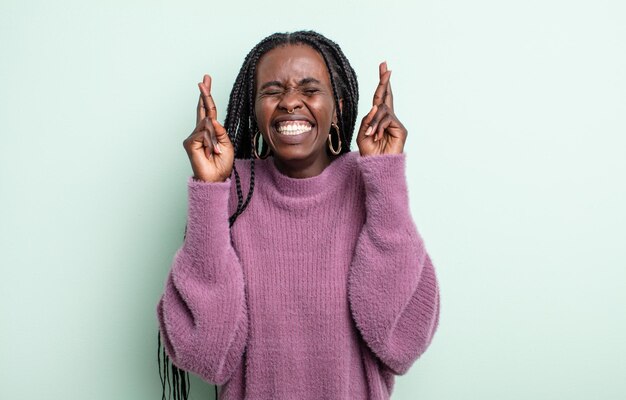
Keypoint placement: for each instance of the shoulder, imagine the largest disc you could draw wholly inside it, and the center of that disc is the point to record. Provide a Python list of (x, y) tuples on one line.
[(351, 156)]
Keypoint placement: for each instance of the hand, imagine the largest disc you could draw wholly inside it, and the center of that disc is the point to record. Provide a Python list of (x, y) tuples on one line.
[(381, 132), (209, 148)]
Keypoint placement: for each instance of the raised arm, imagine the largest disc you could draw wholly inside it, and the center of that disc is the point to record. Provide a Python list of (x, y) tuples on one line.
[(202, 313), (392, 289)]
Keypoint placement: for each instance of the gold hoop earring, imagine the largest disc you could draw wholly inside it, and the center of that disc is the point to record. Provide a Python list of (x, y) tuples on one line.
[(255, 144), (330, 140)]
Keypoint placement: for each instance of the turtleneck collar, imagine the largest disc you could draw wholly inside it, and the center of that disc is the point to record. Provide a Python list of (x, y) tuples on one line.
[(300, 189)]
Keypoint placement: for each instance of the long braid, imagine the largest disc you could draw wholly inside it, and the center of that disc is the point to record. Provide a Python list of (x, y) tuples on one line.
[(335, 94), (240, 121), (241, 126)]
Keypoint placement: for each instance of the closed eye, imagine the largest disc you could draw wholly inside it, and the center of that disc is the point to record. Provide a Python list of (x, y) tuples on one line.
[(271, 92), (310, 91)]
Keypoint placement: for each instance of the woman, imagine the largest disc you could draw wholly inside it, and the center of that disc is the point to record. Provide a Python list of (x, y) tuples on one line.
[(322, 288)]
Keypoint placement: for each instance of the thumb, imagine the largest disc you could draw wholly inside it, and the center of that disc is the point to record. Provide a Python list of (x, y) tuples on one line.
[(366, 124), (220, 132)]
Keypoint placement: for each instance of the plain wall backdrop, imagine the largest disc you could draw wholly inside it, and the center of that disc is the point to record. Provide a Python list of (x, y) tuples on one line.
[(516, 170)]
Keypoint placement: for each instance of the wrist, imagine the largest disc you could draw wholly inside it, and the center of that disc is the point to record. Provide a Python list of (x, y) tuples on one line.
[(208, 180)]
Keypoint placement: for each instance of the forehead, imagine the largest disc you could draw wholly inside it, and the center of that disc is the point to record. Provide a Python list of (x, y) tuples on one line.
[(291, 63)]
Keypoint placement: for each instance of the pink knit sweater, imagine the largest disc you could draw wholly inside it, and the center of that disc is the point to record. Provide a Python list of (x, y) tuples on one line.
[(322, 289)]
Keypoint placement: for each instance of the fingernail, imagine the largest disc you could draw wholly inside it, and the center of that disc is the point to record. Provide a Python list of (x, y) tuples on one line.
[(368, 131), (217, 147)]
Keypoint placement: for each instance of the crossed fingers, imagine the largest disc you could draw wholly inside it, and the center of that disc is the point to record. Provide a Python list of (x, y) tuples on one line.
[(206, 105), (207, 112), (383, 94), (381, 116)]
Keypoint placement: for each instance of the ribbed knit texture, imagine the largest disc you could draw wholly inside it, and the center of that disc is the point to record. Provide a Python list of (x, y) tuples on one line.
[(322, 289)]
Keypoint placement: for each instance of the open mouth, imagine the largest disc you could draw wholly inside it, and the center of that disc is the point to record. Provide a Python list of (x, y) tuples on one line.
[(293, 128)]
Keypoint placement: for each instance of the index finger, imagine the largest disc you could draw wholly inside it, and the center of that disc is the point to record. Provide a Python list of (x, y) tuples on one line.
[(200, 110), (380, 94), (209, 104), (389, 97)]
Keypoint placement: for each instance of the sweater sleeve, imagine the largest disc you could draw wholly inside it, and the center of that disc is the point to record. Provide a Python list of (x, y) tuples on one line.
[(392, 286), (202, 312)]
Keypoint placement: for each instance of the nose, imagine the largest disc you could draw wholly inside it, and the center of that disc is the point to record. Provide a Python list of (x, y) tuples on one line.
[(290, 100)]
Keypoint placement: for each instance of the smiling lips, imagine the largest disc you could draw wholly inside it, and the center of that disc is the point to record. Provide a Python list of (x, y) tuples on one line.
[(292, 128)]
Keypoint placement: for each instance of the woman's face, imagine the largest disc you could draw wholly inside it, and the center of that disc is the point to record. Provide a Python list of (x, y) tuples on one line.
[(294, 77)]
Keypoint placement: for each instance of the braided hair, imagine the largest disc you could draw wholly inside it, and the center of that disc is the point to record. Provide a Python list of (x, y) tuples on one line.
[(240, 122), (241, 126)]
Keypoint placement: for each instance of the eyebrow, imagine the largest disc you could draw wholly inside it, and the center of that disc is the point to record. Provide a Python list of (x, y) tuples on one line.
[(304, 81)]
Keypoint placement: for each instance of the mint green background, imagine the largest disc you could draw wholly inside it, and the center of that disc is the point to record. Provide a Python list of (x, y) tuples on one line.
[(516, 167)]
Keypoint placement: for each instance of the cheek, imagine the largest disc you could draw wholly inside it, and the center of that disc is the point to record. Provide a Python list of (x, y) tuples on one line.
[(262, 112), (323, 110)]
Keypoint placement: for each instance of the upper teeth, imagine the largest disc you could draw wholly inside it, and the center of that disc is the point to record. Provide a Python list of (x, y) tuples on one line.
[(292, 127)]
